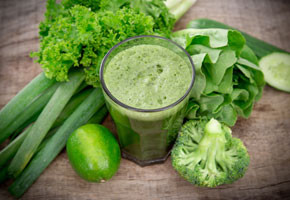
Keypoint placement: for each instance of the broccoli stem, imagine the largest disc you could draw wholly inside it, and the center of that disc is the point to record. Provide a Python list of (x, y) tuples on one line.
[(213, 160), (213, 127)]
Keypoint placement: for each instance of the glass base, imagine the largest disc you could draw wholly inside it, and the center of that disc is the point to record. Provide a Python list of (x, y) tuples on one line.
[(144, 163)]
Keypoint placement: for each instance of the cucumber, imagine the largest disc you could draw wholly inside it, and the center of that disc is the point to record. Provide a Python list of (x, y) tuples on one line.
[(276, 69), (260, 47)]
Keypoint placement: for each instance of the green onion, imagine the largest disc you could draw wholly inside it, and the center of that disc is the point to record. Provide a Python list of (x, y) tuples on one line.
[(34, 108), (99, 116), (82, 86), (57, 142), (71, 106), (19, 103), (24, 126), (44, 122), (35, 116), (3, 174), (10, 150)]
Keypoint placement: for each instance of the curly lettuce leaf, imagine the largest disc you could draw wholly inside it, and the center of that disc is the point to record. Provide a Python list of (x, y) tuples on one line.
[(78, 33)]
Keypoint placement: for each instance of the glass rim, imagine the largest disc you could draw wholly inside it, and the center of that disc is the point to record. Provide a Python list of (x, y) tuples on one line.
[(141, 109)]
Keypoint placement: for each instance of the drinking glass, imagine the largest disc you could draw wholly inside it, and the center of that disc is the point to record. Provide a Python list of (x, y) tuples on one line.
[(146, 135)]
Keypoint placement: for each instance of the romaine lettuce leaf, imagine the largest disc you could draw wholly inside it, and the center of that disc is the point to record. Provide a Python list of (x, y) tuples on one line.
[(227, 81)]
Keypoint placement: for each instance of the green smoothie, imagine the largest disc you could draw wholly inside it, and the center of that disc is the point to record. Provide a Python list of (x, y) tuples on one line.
[(147, 76), (147, 73)]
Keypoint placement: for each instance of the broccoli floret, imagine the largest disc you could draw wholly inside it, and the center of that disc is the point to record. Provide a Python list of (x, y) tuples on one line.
[(206, 154)]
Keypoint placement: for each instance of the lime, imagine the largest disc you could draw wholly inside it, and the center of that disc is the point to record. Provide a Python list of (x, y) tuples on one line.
[(93, 152)]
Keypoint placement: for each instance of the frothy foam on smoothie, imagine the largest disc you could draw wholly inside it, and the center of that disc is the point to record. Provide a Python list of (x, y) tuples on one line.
[(147, 76)]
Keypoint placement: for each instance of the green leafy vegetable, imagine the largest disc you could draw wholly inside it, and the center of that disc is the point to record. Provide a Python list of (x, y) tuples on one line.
[(205, 154), (261, 48), (228, 80), (73, 35)]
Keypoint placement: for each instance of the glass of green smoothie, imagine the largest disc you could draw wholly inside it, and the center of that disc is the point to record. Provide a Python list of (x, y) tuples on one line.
[(146, 82)]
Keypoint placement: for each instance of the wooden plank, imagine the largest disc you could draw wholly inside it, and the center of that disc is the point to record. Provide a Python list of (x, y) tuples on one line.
[(266, 133)]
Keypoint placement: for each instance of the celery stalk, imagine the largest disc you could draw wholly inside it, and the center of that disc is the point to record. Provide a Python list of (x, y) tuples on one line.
[(19, 103), (57, 142), (179, 8), (170, 4), (44, 122)]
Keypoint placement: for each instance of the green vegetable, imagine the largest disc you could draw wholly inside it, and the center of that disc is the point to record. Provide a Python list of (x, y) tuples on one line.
[(57, 142), (75, 101), (261, 48), (32, 110), (24, 126), (76, 36), (205, 154), (276, 69), (93, 152), (3, 174), (227, 79), (179, 7), (99, 116), (44, 123), (10, 150), (37, 106), (19, 103)]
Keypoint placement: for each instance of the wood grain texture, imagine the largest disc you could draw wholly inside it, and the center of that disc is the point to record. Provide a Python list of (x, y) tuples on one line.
[(266, 133)]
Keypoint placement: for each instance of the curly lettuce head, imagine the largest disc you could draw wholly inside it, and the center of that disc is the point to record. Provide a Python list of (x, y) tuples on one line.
[(79, 33)]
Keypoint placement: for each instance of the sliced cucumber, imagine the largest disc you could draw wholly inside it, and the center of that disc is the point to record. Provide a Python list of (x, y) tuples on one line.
[(276, 69)]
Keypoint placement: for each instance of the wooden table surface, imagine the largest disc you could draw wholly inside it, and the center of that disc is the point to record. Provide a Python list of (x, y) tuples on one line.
[(266, 133)]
